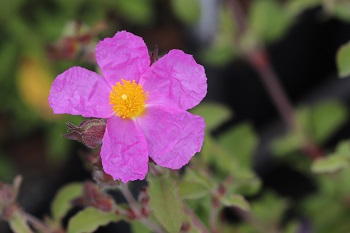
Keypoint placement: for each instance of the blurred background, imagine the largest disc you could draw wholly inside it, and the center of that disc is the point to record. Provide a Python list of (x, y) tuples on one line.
[(239, 42)]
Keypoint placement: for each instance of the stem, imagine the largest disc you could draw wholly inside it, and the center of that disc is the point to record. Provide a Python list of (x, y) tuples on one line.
[(213, 219), (259, 60), (195, 220), (36, 223), (135, 207)]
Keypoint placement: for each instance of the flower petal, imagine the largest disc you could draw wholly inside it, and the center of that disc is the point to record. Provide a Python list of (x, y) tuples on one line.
[(122, 56), (176, 80), (172, 134), (124, 150), (79, 91)]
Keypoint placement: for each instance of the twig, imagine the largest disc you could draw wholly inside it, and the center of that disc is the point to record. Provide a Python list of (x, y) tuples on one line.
[(260, 61), (36, 223), (135, 208), (195, 220)]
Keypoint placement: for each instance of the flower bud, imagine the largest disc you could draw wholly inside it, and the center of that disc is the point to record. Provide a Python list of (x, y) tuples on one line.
[(89, 132)]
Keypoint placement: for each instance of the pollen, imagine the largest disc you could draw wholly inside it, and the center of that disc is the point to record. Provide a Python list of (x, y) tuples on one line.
[(128, 99)]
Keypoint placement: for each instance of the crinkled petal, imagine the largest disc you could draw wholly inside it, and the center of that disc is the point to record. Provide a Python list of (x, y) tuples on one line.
[(175, 80), (124, 150), (173, 135), (124, 56), (79, 91)]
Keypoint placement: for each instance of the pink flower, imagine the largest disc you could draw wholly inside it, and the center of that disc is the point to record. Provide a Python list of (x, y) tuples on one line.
[(145, 106)]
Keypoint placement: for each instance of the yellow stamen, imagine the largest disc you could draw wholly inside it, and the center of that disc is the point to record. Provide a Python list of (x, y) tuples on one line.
[(128, 99)]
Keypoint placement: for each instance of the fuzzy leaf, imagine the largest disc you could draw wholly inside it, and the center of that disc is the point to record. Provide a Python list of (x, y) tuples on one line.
[(214, 114), (138, 227), (343, 60), (332, 163), (268, 19), (325, 118), (18, 224), (61, 204), (165, 202), (241, 141), (237, 201), (89, 219), (192, 190)]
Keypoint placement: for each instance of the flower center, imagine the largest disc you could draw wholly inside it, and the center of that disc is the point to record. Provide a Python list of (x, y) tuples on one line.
[(128, 99)]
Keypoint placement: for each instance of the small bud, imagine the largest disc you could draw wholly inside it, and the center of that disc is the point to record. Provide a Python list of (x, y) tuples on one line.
[(92, 196), (143, 197), (221, 190), (130, 214), (89, 132), (186, 227)]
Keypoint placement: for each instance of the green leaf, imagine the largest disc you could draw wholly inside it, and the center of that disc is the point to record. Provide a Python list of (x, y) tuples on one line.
[(343, 148), (343, 60), (270, 208), (192, 190), (18, 224), (288, 143), (246, 182), (295, 7), (219, 54), (241, 141), (214, 114), (136, 11), (222, 49), (138, 227), (332, 163), (268, 19), (89, 219), (340, 9), (188, 11), (165, 202), (324, 119), (237, 201), (62, 201)]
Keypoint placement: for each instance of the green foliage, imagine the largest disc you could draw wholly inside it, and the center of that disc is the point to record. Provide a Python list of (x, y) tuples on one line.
[(327, 209), (338, 8), (332, 163), (165, 202), (18, 224), (191, 190), (236, 201), (232, 156), (317, 123), (222, 49), (188, 11), (335, 162), (295, 7), (89, 219), (268, 19), (270, 208), (138, 227), (241, 141), (214, 114), (62, 201), (343, 60), (136, 11)]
